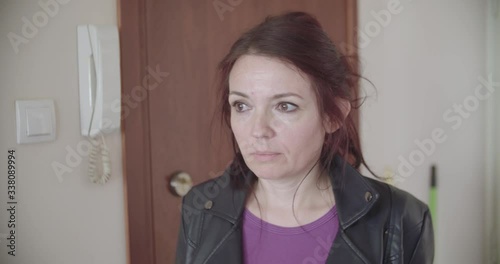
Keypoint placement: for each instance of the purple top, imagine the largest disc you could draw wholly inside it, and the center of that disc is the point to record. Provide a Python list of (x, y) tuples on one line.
[(264, 242)]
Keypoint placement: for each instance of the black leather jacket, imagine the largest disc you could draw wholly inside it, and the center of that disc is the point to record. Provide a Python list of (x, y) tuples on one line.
[(378, 223)]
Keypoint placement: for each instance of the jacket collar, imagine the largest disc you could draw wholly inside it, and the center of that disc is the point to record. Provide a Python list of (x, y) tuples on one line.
[(354, 197)]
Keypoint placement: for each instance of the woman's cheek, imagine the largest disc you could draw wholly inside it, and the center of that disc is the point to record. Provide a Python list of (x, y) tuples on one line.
[(238, 129), (283, 118)]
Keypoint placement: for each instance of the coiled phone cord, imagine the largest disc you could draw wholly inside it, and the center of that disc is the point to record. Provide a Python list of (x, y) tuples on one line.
[(99, 147)]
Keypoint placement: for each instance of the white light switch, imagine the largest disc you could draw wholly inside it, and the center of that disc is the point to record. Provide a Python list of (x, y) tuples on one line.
[(39, 121), (36, 121)]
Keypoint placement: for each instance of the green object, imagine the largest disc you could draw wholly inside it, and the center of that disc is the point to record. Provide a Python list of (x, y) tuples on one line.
[(433, 196)]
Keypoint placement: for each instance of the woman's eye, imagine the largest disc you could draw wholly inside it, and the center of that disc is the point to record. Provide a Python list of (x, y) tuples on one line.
[(239, 106), (283, 107), (287, 107)]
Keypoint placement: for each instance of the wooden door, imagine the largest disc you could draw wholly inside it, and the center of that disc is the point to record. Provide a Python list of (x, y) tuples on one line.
[(170, 50)]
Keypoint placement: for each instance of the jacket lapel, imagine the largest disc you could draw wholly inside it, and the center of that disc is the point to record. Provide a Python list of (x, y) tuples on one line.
[(345, 251), (223, 237), (354, 198)]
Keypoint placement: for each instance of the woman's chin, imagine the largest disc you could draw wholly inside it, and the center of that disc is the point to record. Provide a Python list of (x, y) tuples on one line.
[(267, 172)]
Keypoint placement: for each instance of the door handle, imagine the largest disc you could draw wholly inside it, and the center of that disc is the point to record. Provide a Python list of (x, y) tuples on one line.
[(179, 183)]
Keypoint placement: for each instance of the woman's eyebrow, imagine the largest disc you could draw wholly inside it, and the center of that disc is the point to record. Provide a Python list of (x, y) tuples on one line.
[(277, 96)]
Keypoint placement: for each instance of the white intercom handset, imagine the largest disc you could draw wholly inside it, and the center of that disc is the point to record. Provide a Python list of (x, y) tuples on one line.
[(99, 71)]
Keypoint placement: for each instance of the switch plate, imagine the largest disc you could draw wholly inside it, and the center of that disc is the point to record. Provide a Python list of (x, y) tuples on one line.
[(36, 121)]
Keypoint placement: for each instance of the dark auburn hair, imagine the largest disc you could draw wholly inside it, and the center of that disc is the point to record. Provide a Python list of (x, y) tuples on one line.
[(297, 38)]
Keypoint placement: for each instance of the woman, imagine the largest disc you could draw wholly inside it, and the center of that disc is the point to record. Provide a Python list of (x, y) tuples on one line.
[(293, 193)]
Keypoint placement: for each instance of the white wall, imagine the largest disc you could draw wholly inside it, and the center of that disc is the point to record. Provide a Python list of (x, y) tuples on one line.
[(427, 58), (492, 168), (57, 222)]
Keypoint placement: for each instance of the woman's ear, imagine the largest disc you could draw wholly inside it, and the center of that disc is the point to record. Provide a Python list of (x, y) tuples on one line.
[(345, 107)]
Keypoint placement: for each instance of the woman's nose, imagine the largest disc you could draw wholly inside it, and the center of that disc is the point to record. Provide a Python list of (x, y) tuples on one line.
[(261, 125)]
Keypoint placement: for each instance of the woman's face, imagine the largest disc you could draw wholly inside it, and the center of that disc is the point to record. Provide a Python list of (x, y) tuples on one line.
[(274, 117)]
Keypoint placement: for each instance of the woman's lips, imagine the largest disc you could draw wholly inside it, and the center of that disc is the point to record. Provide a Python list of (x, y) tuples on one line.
[(265, 156)]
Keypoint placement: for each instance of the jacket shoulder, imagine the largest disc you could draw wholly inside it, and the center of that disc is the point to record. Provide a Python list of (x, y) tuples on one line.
[(410, 225), (208, 190), (411, 209)]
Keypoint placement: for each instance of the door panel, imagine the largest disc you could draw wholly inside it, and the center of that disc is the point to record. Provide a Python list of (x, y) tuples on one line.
[(187, 38)]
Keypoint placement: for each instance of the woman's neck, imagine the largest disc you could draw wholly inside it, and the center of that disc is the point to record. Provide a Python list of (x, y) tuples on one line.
[(273, 198)]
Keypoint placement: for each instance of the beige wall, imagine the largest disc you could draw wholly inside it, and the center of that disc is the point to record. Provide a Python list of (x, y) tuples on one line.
[(427, 58), (492, 181), (68, 221)]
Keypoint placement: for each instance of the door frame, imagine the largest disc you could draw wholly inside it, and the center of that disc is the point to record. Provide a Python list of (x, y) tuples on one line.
[(136, 147), (136, 142)]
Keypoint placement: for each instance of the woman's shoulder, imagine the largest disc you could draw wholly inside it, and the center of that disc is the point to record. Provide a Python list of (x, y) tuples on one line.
[(215, 195), (400, 202), (409, 223), (209, 189)]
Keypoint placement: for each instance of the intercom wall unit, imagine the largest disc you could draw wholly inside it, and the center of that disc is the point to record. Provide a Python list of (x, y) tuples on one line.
[(100, 90), (99, 79)]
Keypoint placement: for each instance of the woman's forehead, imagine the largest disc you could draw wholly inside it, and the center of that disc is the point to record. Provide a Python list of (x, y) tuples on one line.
[(265, 75)]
